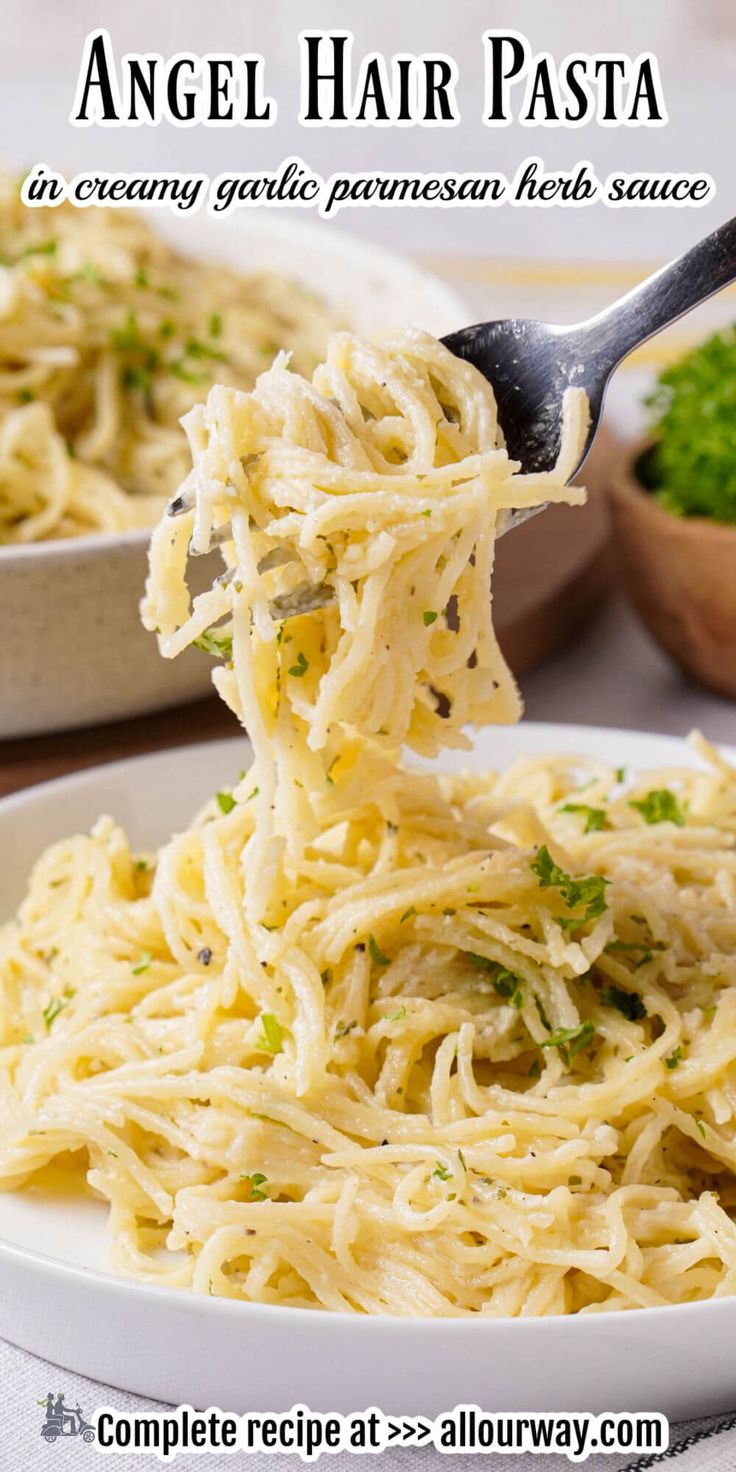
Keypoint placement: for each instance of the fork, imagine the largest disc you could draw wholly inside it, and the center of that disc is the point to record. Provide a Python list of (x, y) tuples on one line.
[(530, 364)]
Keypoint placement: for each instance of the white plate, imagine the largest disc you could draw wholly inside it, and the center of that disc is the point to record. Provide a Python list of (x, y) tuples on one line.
[(57, 1300), (73, 651)]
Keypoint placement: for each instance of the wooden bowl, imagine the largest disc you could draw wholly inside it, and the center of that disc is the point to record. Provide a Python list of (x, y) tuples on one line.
[(681, 575)]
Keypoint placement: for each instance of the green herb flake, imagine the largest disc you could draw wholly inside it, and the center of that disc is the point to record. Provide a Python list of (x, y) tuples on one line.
[(508, 986), (256, 1181), (633, 947), (661, 806), (375, 952), (700, 1127), (674, 1059), (142, 964), (212, 641), (44, 248), (570, 1040), (395, 1016), (300, 668), (215, 328), (629, 1003), (481, 963), (51, 1011), (225, 801), (590, 891), (273, 1034), (408, 914), (595, 818), (429, 617), (442, 1171)]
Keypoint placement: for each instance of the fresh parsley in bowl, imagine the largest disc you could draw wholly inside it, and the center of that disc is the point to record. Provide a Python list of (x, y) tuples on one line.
[(690, 466), (674, 514)]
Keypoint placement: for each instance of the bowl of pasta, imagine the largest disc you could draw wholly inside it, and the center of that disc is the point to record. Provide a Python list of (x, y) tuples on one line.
[(112, 330)]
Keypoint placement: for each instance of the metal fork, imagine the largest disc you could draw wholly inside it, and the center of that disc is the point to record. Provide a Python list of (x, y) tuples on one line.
[(529, 365)]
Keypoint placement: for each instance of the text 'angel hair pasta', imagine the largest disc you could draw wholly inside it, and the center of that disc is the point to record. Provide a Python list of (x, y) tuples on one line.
[(108, 336), (365, 1037)]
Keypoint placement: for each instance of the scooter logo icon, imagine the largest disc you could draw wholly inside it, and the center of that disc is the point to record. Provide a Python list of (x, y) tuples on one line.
[(61, 1420)]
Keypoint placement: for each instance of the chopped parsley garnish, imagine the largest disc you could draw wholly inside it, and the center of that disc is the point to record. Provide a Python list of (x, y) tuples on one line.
[(674, 1059), (395, 1016), (143, 963), (214, 642), (429, 617), (408, 914), (256, 1181), (481, 963), (590, 892), (52, 1010), (595, 818), (627, 947), (215, 325), (343, 1028), (44, 248), (301, 666), (442, 1171), (273, 1034), (508, 985), (629, 1003), (570, 1040), (660, 806), (139, 361), (505, 983), (700, 1126), (375, 952), (225, 801)]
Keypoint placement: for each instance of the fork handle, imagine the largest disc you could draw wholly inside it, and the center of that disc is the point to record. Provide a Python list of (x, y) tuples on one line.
[(662, 298)]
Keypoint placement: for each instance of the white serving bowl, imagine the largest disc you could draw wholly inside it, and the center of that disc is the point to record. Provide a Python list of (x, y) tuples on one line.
[(73, 652), (59, 1300)]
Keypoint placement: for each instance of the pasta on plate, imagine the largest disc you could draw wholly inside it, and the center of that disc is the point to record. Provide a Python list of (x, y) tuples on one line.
[(366, 1036), (108, 337)]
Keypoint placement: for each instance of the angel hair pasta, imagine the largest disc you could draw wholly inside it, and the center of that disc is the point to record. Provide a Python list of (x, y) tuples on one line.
[(364, 1036)]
